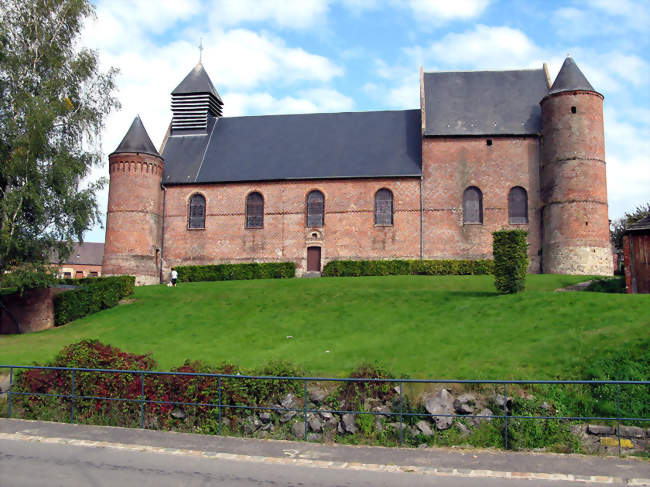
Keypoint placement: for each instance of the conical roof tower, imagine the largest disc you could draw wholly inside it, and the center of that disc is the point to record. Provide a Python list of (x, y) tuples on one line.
[(194, 100), (136, 140), (570, 78)]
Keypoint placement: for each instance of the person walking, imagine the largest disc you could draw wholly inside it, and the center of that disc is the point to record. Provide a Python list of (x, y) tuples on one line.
[(174, 277)]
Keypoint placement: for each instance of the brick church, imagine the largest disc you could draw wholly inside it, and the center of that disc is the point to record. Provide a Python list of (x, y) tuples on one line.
[(486, 150)]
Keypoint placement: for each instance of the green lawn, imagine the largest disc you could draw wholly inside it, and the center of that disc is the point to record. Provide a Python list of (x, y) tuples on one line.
[(433, 327)]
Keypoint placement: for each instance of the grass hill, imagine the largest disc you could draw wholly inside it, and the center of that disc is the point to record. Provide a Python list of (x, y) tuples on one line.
[(427, 327)]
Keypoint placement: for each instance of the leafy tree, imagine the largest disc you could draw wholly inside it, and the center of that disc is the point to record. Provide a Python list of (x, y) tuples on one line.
[(54, 100), (618, 226)]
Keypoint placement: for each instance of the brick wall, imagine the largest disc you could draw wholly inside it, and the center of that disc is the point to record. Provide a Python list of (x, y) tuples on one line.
[(348, 232), (34, 310), (450, 165)]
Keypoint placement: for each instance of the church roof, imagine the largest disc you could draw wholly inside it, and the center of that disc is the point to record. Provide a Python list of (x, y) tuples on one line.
[(290, 147), (484, 102), (197, 81), (136, 140), (570, 78)]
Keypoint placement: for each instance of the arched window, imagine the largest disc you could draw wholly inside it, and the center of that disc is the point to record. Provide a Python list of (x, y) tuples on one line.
[(472, 205), (315, 209), (384, 207), (254, 211), (196, 217), (517, 205)]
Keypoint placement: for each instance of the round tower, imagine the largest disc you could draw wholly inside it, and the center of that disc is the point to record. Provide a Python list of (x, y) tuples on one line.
[(574, 188), (134, 218)]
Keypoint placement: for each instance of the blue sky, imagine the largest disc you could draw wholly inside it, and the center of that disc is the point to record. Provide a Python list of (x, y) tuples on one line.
[(302, 56)]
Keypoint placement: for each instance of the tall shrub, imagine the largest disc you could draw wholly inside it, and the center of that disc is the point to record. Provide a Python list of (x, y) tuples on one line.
[(510, 250)]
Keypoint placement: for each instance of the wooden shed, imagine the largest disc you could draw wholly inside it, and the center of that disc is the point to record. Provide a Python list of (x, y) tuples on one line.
[(636, 253)]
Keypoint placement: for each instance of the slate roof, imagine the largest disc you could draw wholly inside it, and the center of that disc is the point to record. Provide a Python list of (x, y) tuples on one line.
[(87, 253), (197, 81), (484, 102), (136, 140), (289, 147), (643, 224), (570, 78)]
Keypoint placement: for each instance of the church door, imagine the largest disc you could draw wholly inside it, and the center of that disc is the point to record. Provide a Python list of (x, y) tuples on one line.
[(313, 259)]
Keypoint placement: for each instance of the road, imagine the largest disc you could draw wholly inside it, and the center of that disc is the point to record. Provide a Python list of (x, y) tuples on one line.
[(27, 464)]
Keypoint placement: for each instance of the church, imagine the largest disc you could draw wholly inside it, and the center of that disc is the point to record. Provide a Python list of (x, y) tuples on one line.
[(485, 151)]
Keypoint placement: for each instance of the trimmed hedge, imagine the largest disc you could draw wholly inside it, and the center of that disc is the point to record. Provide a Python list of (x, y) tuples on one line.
[(234, 272), (93, 294), (354, 268), (510, 250)]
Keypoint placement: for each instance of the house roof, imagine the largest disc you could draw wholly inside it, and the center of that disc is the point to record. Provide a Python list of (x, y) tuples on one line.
[(136, 140), (197, 81), (643, 224), (87, 253), (484, 102), (289, 147), (570, 78)]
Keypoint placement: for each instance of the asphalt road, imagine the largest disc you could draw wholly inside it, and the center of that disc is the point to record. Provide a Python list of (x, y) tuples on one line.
[(28, 463)]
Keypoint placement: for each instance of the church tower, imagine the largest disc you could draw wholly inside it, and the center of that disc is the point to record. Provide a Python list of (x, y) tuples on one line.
[(133, 222), (574, 189)]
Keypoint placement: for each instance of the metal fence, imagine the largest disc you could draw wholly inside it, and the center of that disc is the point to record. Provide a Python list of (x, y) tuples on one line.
[(399, 384)]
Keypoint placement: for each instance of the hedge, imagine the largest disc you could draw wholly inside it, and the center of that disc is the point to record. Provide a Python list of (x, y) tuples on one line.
[(353, 268), (92, 295), (233, 272), (510, 250)]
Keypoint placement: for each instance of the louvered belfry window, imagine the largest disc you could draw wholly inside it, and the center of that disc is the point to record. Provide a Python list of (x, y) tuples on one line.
[(254, 211), (384, 207), (197, 212), (472, 205), (517, 205), (315, 209)]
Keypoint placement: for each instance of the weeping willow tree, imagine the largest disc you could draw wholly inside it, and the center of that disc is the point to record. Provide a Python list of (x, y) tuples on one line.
[(54, 100)]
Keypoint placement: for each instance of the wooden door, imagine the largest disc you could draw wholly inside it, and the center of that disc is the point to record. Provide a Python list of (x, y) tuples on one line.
[(313, 259)]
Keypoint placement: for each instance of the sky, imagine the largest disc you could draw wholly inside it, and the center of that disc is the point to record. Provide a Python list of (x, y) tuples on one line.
[(306, 56)]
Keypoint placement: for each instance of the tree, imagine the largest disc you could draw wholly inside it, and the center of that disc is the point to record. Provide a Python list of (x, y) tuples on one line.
[(54, 100), (618, 226)]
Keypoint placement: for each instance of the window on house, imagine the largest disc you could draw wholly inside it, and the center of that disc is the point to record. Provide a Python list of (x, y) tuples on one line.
[(384, 207), (517, 205), (67, 275), (254, 211), (472, 205), (315, 209), (94, 274), (196, 217), (79, 275)]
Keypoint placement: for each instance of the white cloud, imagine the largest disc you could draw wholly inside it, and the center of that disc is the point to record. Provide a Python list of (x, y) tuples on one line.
[(296, 14), (310, 101), (484, 47), (439, 11)]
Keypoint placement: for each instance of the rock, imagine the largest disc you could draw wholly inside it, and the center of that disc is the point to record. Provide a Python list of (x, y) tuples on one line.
[(423, 445), (288, 416), (327, 416), (251, 425), (349, 422), (339, 429), (578, 429), (384, 408), (463, 408), (396, 389), (178, 414), (441, 403), (464, 399), (267, 427), (288, 401), (424, 428), (597, 429), (316, 394), (632, 432), (546, 407), (265, 418), (483, 412), (316, 437), (298, 429), (315, 424), (379, 425), (464, 430), (502, 403)]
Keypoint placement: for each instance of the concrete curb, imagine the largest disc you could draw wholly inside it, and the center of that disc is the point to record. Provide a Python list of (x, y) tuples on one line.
[(443, 472)]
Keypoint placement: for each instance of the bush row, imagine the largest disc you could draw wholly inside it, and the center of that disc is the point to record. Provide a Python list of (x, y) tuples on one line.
[(92, 295), (232, 272), (353, 268)]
